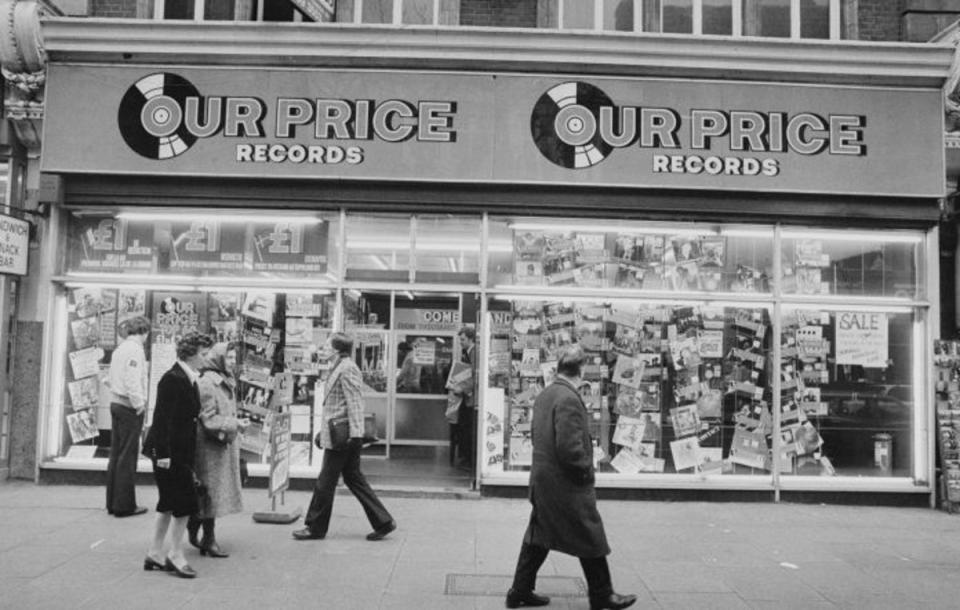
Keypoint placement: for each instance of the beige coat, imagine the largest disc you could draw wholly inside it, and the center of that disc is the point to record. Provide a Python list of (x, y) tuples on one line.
[(218, 466)]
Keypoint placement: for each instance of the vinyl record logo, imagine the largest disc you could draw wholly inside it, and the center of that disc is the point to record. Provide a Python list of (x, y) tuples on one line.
[(151, 116), (564, 125)]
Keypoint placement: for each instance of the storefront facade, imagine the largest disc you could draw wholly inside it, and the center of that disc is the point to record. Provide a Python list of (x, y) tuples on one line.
[(745, 244)]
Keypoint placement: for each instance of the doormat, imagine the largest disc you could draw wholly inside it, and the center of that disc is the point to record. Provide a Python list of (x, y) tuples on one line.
[(496, 585)]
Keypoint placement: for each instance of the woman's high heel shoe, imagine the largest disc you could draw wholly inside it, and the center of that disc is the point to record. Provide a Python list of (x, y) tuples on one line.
[(185, 572), (150, 564)]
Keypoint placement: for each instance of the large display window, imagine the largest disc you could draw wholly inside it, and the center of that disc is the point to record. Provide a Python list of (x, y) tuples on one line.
[(713, 351), (763, 354)]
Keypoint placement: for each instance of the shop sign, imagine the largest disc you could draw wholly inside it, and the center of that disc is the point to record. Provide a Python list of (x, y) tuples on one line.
[(207, 245), (862, 338), (427, 319), (289, 246), (495, 128), (14, 244), (105, 243)]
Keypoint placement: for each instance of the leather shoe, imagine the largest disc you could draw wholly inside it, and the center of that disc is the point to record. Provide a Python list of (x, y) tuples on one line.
[(213, 550), (381, 533), (137, 511), (185, 572), (307, 534), (150, 564), (614, 600), (516, 599)]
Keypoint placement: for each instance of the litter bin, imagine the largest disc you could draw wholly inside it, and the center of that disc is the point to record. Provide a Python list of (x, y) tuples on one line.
[(883, 453)]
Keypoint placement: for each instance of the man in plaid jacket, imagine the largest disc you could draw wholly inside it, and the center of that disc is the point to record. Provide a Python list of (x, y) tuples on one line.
[(343, 398)]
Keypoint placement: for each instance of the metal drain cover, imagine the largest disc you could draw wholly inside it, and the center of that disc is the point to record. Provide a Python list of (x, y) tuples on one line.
[(496, 585)]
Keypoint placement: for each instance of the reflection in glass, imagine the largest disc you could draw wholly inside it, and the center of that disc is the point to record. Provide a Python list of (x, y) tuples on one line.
[(815, 19), (618, 15), (418, 12), (677, 16), (718, 17), (767, 18), (447, 249), (378, 246), (377, 11), (577, 15)]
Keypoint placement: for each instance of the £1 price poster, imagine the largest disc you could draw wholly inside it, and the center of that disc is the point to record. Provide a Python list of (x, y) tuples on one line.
[(105, 243), (290, 246)]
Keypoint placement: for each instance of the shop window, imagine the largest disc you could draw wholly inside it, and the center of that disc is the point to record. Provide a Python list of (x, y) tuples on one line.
[(378, 247), (848, 395), (848, 263), (194, 244), (276, 334), (447, 249), (670, 388), (630, 255)]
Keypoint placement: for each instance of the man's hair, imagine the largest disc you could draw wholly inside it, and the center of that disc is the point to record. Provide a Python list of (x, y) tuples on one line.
[(570, 360), (342, 343), (134, 326), (191, 344), (469, 332)]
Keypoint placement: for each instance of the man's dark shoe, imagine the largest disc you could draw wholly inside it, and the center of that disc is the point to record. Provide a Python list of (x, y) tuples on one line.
[(614, 600), (381, 533), (137, 511), (307, 534), (517, 599)]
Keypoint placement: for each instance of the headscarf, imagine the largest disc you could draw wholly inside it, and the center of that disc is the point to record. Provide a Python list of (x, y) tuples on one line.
[(217, 362)]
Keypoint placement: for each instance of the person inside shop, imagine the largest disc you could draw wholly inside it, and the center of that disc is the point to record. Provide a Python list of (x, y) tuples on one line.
[(218, 451), (343, 399), (127, 386), (564, 516), (408, 377), (171, 445), (467, 416)]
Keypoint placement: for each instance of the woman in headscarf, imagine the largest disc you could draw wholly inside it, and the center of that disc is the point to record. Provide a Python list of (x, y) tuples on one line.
[(218, 452)]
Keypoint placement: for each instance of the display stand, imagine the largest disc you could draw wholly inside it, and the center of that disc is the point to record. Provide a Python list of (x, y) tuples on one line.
[(279, 473), (946, 359)]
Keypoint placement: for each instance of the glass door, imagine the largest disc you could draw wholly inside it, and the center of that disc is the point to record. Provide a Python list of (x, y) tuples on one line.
[(424, 360)]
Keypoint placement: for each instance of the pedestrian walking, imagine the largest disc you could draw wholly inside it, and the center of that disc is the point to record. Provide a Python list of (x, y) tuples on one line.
[(343, 399), (127, 386), (171, 445), (218, 453), (564, 516)]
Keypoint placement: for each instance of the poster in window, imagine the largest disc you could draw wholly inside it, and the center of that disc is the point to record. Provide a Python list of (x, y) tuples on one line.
[(85, 362), (177, 313), (105, 243), (862, 338), (82, 425), (207, 245), (290, 246)]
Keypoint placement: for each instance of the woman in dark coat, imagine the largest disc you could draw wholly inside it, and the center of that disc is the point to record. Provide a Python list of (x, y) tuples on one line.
[(564, 516), (171, 446)]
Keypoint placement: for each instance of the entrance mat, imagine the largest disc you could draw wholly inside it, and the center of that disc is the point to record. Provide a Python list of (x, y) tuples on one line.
[(496, 585)]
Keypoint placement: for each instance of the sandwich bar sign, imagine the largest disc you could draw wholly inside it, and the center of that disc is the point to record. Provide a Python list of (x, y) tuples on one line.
[(494, 128), (14, 244)]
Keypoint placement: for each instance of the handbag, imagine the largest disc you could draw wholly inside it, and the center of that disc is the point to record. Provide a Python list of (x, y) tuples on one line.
[(340, 432), (219, 436)]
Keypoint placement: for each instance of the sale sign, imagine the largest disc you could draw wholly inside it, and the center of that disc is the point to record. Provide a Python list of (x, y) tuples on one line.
[(862, 338)]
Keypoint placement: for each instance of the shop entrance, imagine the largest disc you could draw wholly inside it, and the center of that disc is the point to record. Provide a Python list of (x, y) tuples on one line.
[(406, 346)]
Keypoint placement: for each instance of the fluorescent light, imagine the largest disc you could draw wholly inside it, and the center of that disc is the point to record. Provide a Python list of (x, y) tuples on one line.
[(426, 246), (747, 232), (223, 217), (132, 286), (827, 306), (878, 236), (571, 228), (136, 277)]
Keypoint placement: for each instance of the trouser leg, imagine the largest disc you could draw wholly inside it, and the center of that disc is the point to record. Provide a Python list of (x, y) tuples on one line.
[(376, 512), (126, 426), (597, 572), (528, 564), (321, 504)]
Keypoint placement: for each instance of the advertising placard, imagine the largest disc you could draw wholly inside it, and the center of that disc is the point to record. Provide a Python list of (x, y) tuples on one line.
[(14, 243), (279, 453), (105, 243), (207, 245), (290, 246)]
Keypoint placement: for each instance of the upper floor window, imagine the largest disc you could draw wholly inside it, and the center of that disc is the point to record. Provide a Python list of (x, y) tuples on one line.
[(768, 18)]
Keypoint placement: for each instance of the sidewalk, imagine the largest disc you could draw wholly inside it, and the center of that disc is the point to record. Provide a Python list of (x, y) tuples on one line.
[(59, 549)]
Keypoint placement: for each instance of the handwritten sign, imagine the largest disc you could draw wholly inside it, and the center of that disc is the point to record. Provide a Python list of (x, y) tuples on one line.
[(862, 338)]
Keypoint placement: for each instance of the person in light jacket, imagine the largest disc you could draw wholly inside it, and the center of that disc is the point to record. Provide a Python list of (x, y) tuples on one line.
[(218, 452), (127, 384), (343, 399), (564, 516)]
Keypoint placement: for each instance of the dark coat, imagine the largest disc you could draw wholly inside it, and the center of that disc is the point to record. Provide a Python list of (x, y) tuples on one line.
[(173, 433), (565, 516)]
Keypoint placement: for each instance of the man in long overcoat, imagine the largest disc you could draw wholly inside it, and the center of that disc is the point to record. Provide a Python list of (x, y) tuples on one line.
[(564, 516)]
